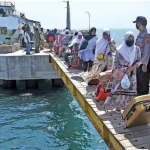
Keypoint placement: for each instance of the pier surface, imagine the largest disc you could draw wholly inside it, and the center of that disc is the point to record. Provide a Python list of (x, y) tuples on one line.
[(108, 123)]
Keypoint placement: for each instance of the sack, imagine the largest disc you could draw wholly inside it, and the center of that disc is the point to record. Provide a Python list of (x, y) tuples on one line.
[(93, 74), (100, 56), (105, 76), (125, 83), (118, 74)]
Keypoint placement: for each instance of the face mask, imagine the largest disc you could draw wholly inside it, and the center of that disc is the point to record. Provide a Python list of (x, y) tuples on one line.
[(129, 43), (137, 26)]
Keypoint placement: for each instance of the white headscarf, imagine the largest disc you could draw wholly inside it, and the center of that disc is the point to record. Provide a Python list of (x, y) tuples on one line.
[(77, 40), (102, 44), (66, 35), (75, 32), (127, 52)]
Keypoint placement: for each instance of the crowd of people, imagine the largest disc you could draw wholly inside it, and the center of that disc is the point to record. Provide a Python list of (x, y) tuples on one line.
[(132, 60), (131, 67)]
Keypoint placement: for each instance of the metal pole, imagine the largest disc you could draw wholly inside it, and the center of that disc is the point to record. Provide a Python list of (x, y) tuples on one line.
[(89, 18), (68, 15), (68, 22)]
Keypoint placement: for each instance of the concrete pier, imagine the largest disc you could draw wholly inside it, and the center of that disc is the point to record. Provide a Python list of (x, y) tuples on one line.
[(31, 68), (19, 66)]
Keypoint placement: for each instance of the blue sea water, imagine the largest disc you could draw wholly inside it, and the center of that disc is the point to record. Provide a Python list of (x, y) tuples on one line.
[(45, 119), (48, 118)]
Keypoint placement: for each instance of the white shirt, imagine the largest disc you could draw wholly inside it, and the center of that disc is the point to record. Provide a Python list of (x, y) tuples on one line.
[(26, 35)]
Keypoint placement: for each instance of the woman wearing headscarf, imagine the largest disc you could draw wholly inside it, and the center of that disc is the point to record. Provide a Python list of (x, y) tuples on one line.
[(105, 46), (65, 41), (74, 35), (124, 87), (73, 46), (87, 47)]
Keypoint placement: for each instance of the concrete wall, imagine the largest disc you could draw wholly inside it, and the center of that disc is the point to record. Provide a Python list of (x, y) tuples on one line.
[(26, 67)]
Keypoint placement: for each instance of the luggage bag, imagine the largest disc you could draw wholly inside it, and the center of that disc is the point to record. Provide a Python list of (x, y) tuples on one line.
[(102, 92), (137, 111)]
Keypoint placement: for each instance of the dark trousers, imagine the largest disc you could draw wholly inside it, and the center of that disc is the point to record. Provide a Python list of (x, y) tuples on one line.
[(143, 80), (87, 64), (23, 43), (66, 55)]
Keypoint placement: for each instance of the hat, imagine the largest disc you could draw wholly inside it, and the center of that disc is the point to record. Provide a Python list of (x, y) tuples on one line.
[(141, 19)]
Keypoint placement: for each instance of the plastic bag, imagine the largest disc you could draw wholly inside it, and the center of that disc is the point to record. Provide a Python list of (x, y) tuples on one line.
[(125, 83)]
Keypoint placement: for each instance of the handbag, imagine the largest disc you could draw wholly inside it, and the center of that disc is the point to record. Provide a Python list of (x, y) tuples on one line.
[(101, 56), (118, 74)]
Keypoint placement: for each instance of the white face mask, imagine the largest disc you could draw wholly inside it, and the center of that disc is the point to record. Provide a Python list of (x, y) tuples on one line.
[(125, 83)]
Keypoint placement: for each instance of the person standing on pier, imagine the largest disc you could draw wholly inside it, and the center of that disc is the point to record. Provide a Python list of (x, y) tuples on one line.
[(143, 41), (65, 41), (50, 37), (27, 41), (87, 48), (73, 48), (36, 40), (105, 46), (42, 39), (74, 35), (127, 59)]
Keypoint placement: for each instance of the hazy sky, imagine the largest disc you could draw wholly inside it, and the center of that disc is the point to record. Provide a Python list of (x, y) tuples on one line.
[(112, 14)]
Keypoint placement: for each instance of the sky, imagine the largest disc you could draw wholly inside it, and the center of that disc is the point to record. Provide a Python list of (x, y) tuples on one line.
[(108, 13)]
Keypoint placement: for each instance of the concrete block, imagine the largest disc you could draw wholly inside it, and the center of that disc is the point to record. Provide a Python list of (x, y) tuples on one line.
[(4, 49)]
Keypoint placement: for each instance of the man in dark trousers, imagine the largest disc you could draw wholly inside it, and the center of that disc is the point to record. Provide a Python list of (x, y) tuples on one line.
[(50, 39), (143, 42)]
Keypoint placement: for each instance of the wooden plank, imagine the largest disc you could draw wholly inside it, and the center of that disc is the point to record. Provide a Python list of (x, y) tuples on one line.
[(111, 120), (111, 114), (145, 146), (116, 125), (119, 128), (136, 142), (133, 134)]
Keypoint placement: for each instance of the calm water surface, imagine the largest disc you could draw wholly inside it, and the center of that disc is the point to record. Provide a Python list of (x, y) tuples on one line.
[(45, 119)]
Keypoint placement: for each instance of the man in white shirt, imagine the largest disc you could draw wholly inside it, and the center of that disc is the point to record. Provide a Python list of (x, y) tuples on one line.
[(27, 41)]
